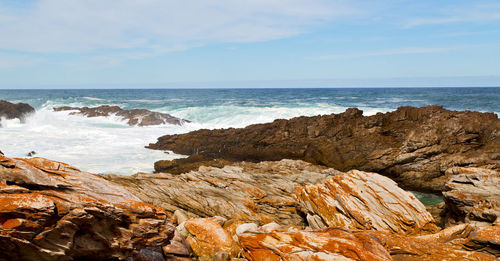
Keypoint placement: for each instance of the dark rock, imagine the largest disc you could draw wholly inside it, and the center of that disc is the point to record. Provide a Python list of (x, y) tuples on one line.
[(414, 146), (139, 117), (193, 162), (15, 111)]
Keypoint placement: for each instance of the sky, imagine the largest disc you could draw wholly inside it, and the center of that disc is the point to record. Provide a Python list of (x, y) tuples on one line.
[(245, 43)]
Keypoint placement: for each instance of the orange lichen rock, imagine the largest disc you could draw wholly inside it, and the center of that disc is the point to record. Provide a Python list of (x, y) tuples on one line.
[(347, 244), (329, 244), (363, 200), (52, 211), (208, 239)]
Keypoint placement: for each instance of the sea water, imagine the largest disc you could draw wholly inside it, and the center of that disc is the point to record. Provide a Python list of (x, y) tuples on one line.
[(109, 145)]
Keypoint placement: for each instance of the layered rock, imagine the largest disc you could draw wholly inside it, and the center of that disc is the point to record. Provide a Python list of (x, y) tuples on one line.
[(412, 145), (472, 195), (253, 192), (53, 211), (14, 111), (348, 244), (329, 244), (139, 117), (208, 240), (362, 200)]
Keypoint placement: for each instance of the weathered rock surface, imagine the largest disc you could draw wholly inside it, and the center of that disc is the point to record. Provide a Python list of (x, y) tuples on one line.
[(363, 200), (329, 244), (253, 192), (208, 240), (139, 117), (14, 111), (53, 211), (472, 195), (457, 243), (414, 146)]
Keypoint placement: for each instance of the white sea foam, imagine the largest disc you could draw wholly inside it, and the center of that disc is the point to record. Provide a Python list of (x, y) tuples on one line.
[(109, 145), (92, 98)]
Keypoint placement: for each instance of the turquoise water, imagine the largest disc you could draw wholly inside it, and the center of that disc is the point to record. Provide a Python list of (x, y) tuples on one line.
[(108, 145), (428, 199)]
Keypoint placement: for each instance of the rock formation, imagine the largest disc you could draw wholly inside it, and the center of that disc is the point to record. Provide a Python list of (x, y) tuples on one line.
[(347, 244), (414, 146), (139, 117), (472, 195), (14, 111), (253, 192), (208, 239), (53, 211), (362, 200)]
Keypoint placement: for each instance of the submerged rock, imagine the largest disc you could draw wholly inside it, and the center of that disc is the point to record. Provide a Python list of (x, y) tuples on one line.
[(414, 146), (362, 200), (11, 111), (52, 211), (139, 117)]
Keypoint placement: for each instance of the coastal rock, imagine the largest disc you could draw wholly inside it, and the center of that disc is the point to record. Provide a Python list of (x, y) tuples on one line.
[(209, 241), (329, 244), (11, 111), (362, 200), (472, 195), (134, 117), (252, 192), (348, 244), (414, 146), (52, 211)]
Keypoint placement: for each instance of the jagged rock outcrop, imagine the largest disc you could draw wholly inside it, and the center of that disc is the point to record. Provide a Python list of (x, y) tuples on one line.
[(414, 146), (253, 192), (363, 200), (11, 111), (139, 117), (53, 211), (472, 195)]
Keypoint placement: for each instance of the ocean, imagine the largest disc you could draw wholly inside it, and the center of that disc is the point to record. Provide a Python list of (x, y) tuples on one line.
[(108, 145)]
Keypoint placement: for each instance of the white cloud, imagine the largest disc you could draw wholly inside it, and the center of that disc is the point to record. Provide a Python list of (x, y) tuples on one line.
[(88, 25)]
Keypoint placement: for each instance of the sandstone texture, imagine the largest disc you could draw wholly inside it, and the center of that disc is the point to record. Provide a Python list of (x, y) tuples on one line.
[(414, 146), (348, 244), (208, 240), (472, 195), (14, 111), (253, 192), (363, 200), (52, 211), (134, 117)]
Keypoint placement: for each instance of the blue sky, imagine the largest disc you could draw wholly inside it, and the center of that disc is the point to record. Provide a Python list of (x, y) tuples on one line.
[(299, 43)]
